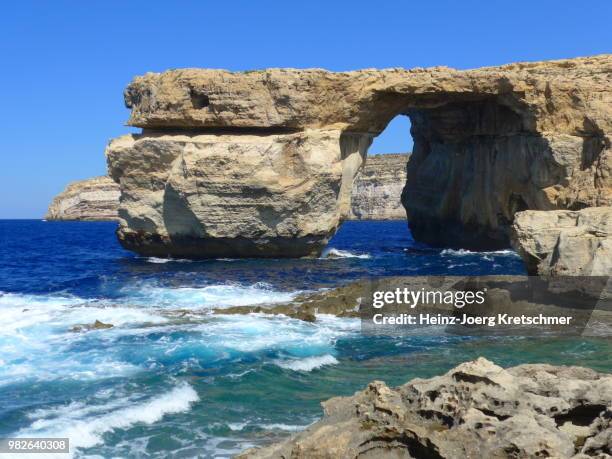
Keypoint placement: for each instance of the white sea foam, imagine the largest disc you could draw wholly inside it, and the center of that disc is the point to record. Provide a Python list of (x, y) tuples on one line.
[(85, 425), (36, 341), (38, 344), (465, 252), (19, 312), (238, 426), (286, 427), (337, 253), (222, 295), (307, 363), (253, 332), (158, 260)]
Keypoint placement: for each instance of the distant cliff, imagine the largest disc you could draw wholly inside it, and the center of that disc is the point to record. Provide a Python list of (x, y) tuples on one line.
[(92, 199), (378, 187), (375, 196)]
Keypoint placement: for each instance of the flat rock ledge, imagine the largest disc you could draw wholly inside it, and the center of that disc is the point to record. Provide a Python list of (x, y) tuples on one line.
[(476, 410), (565, 243), (94, 199)]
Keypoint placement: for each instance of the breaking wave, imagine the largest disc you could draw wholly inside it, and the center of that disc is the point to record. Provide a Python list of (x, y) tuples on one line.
[(307, 363), (85, 424), (337, 253)]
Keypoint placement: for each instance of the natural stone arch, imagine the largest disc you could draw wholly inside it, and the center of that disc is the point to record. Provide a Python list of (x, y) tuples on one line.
[(271, 154)]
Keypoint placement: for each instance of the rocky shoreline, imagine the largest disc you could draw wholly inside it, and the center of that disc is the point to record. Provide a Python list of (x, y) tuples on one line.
[(477, 409), (588, 300)]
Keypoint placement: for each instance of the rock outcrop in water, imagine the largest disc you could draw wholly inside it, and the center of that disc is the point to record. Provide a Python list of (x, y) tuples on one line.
[(477, 409), (565, 243), (236, 195), (262, 163), (378, 188), (92, 199)]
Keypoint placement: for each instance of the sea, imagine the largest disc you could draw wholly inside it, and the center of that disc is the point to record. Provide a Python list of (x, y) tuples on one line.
[(171, 379)]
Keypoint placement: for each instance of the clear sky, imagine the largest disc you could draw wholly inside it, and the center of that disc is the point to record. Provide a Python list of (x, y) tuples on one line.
[(64, 65)]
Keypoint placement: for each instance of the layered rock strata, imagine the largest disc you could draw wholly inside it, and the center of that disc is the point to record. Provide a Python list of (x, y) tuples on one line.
[(237, 195), (565, 243), (261, 163), (477, 409), (377, 189), (92, 199), (375, 195)]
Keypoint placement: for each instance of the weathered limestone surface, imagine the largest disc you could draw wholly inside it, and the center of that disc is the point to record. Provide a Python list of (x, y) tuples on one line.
[(377, 189), (92, 199), (249, 195), (477, 409), (375, 195), (487, 143), (565, 243)]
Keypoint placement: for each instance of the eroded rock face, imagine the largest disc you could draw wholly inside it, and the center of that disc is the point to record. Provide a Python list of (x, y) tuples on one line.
[(475, 165), (375, 195), (477, 409), (238, 195), (565, 243), (488, 143), (92, 199), (377, 189)]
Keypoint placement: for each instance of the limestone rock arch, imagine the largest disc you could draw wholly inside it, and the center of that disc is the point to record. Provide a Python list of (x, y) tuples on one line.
[(261, 163)]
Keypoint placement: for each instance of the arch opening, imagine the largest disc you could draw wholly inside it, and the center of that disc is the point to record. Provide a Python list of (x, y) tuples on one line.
[(377, 188), (474, 163)]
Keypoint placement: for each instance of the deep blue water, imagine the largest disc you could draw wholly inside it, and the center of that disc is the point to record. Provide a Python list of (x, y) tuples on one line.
[(170, 379), (84, 259)]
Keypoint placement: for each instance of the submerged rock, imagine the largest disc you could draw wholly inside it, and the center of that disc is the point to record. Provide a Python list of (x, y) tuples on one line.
[(477, 409), (96, 198), (258, 164), (97, 325), (565, 243), (342, 301)]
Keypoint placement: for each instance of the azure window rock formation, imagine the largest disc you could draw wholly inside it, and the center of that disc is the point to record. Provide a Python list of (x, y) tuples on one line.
[(261, 163)]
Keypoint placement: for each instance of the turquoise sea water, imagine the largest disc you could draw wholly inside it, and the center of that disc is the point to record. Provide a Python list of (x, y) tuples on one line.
[(172, 380)]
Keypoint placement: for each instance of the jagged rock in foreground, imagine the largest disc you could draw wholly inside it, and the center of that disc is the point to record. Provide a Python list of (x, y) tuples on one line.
[(262, 163), (565, 243), (377, 189), (92, 199), (476, 410)]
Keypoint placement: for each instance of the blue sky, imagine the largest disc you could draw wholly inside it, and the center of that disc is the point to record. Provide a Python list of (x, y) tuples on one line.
[(65, 64)]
